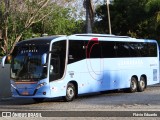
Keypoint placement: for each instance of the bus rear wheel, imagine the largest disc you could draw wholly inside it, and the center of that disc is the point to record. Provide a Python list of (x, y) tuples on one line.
[(133, 85), (142, 84), (70, 92)]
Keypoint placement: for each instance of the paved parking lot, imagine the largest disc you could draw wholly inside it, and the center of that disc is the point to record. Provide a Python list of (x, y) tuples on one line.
[(115, 101)]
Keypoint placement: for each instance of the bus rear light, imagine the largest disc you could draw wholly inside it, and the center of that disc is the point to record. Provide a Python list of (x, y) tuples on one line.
[(41, 85)]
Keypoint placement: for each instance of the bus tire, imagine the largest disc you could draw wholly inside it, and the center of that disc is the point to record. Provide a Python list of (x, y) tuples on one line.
[(133, 85), (38, 100), (70, 92), (141, 84)]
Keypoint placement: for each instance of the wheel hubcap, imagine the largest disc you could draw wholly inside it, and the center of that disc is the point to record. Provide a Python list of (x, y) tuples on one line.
[(70, 92), (133, 85), (142, 83)]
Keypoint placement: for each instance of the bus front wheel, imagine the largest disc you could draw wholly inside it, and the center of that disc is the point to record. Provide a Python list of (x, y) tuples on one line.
[(70, 92)]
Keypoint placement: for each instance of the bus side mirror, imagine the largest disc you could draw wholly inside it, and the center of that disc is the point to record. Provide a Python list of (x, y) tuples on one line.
[(3, 61), (6, 60), (44, 59)]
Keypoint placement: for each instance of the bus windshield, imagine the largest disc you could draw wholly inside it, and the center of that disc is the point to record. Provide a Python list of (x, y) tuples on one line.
[(27, 63)]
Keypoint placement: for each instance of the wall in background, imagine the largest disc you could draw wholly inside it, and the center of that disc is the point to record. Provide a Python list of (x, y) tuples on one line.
[(5, 89)]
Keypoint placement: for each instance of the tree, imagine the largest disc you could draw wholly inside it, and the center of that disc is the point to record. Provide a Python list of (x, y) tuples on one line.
[(18, 16), (89, 15), (136, 18), (127, 17), (61, 22), (4, 22), (154, 7)]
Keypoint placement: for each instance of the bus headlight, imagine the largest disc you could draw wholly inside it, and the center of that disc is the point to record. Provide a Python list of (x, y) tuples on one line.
[(41, 85)]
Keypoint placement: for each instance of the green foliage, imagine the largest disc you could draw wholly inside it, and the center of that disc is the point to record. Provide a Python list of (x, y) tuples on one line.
[(136, 18), (153, 7), (32, 19), (59, 23)]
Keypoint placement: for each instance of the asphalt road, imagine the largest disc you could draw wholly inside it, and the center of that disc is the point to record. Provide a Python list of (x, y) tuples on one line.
[(109, 104)]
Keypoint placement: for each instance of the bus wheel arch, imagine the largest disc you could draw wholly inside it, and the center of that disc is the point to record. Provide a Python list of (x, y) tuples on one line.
[(133, 84), (142, 84), (71, 91)]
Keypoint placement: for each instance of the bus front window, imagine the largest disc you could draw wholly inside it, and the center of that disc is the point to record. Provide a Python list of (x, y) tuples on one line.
[(28, 66)]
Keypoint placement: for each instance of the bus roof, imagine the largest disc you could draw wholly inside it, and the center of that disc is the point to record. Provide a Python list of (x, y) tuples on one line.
[(101, 35), (47, 39), (38, 40), (109, 37)]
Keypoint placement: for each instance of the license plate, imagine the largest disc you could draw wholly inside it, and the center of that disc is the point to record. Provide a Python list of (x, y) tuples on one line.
[(25, 93)]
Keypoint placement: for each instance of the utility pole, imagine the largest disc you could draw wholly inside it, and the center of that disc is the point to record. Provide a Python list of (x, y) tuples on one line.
[(109, 20)]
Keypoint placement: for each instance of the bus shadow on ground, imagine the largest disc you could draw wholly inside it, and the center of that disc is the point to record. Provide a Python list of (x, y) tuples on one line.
[(24, 101)]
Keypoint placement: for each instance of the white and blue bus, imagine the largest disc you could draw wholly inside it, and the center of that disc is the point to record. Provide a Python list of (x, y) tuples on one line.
[(68, 66)]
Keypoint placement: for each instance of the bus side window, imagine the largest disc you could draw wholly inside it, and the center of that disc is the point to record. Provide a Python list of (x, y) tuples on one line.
[(143, 48), (152, 49), (134, 49), (108, 49), (93, 49), (122, 49), (76, 51)]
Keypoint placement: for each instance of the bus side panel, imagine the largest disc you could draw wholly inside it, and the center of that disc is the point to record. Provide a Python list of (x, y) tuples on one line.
[(58, 88), (94, 77), (111, 73)]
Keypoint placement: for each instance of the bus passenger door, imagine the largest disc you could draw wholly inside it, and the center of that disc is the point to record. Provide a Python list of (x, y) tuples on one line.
[(57, 60), (54, 69)]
